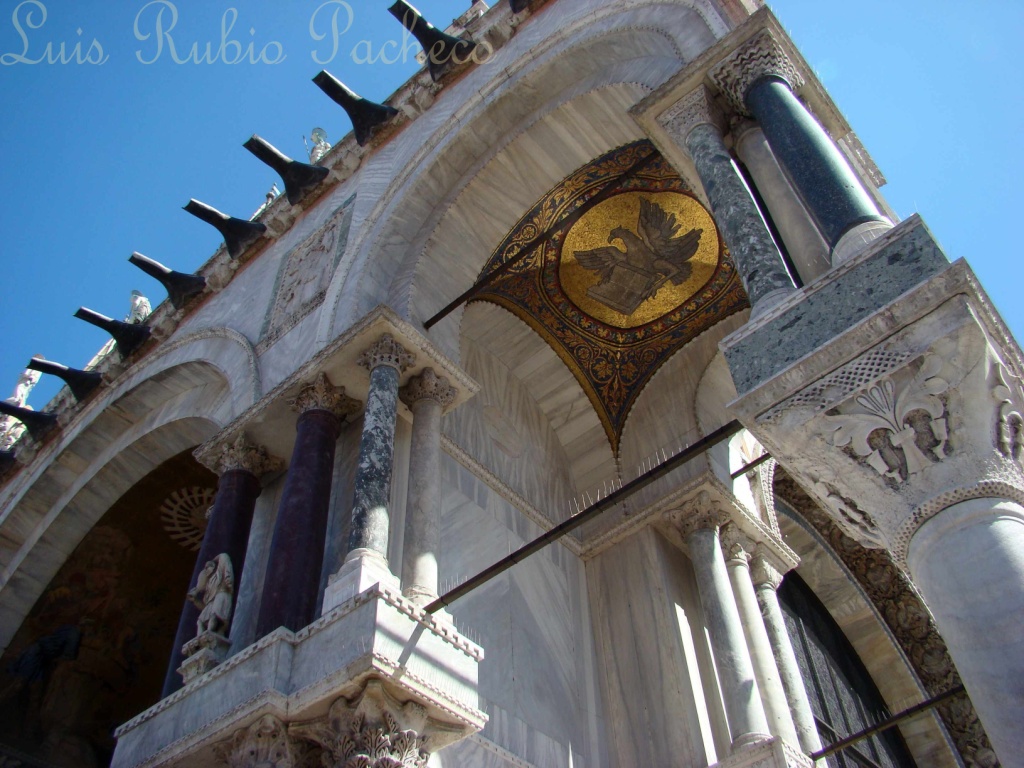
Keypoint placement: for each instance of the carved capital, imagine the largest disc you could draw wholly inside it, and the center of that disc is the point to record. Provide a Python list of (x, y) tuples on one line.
[(761, 56), (374, 729), (428, 386), (266, 743), (702, 512), (764, 570), (321, 395), (696, 108), (736, 545), (387, 351), (243, 455)]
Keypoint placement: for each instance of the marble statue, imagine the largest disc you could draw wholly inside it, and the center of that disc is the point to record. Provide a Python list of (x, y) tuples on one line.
[(11, 429), (320, 145), (213, 595), (140, 309)]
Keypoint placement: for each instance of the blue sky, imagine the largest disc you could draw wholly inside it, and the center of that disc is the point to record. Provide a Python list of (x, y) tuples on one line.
[(97, 160)]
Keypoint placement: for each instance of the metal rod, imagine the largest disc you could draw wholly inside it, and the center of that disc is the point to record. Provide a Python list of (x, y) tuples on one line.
[(888, 723), (488, 279), (752, 465), (574, 522)]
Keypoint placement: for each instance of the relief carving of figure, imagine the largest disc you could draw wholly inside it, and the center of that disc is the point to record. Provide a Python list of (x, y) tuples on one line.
[(213, 595)]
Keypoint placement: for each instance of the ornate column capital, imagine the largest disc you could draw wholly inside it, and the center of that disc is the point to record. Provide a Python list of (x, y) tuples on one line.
[(761, 56), (264, 743), (736, 545), (375, 728), (240, 454), (428, 386), (765, 570), (321, 395), (387, 351), (701, 512), (696, 108)]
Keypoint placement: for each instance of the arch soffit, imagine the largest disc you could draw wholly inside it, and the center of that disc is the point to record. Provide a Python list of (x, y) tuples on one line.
[(387, 241)]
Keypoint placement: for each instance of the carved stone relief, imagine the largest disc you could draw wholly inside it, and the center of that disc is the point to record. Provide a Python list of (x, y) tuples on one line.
[(264, 744)]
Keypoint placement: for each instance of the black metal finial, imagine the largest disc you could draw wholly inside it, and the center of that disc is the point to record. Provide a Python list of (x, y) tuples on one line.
[(299, 178), (181, 287), (81, 383), (38, 423), (238, 234), (442, 51), (366, 116), (129, 337)]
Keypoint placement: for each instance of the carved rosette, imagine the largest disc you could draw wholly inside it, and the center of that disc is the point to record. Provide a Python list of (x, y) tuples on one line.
[(702, 512), (267, 744), (387, 351), (428, 386), (761, 56), (243, 455), (696, 108), (321, 395), (375, 730)]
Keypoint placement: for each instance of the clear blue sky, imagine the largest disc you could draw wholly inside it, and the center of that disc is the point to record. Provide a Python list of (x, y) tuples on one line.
[(98, 159)]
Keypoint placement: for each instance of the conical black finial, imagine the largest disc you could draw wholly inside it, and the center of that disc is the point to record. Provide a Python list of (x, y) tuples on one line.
[(129, 337), (366, 116), (518, 6), (238, 234), (39, 424), (442, 51), (81, 383), (180, 286), (298, 177)]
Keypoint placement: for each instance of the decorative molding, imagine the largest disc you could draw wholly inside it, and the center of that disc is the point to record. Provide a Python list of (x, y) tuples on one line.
[(851, 519), (321, 395), (242, 455), (761, 56), (428, 386), (267, 744), (887, 406), (387, 351), (696, 108), (1009, 398)]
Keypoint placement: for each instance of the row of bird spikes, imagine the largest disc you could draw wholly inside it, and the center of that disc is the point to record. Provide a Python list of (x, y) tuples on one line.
[(299, 178)]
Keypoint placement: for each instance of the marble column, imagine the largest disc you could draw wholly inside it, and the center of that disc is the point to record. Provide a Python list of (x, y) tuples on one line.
[(240, 465), (807, 249), (738, 553), (427, 395), (968, 563), (695, 124), (698, 521), (292, 580), (767, 578), (759, 79)]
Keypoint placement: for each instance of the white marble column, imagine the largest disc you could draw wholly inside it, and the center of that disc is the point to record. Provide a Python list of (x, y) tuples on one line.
[(738, 550), (766, 579), (698, 521), (968, 562), (427, 395)]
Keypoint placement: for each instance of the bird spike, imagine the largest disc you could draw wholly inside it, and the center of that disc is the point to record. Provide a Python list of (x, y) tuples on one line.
[(129, 337), (38, 423), (181, 287), (366, 116), (442, 50), (299, 178), (238, 234), (81, 383)]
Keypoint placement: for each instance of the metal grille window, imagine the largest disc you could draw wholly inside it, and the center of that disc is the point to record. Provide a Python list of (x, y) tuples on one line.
[(843, 695)]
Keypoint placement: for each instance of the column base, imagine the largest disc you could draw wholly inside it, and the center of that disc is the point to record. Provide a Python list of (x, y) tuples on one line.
[(857, 239), (363, 569), (770, 753)]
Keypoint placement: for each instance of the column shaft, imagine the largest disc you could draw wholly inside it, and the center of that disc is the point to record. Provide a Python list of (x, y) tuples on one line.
[(227, 531), (423, 510), (789, 670), (296, 551), (743, 708), (757, 257), (370, 517), (968, 562), (780, 721)]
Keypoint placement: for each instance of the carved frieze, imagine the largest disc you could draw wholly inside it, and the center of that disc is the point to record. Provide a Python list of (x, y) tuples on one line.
[(428, 386), (759, 57), (321, 395), (387, 351)]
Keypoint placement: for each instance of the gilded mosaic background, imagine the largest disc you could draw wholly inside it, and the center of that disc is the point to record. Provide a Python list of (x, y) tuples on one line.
[(617, 268)]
